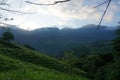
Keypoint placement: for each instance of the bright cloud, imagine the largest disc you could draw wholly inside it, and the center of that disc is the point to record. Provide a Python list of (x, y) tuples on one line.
[(71, 10), (76, 9), (67, 13)]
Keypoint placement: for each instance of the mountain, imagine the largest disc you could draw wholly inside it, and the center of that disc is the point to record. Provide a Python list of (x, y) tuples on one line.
[(53, 40)]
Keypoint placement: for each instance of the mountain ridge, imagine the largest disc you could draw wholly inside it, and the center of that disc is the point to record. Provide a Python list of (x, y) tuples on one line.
[(54, 40)]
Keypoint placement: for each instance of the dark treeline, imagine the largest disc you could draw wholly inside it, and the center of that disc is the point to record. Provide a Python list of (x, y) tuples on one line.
[(99, 65)]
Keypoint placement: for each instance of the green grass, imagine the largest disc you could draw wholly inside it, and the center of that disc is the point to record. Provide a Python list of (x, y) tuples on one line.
[(43, 74), (26, 55), (19, 63), (23, 54), (7, 63)]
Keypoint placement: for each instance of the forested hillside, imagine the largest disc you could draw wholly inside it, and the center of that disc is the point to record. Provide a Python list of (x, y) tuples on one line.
[(99, 65), (99, 61), (18, 63), (52, 41)]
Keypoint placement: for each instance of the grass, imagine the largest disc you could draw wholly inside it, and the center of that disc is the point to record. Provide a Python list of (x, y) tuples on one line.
[(23, 54), (7, 63), (19, 63), (26, 55), (43, 74)]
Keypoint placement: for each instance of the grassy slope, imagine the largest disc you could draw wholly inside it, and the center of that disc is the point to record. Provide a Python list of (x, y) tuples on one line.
[(19, 63)]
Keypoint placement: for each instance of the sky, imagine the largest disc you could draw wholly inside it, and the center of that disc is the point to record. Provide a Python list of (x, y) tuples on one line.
[(73, 14)]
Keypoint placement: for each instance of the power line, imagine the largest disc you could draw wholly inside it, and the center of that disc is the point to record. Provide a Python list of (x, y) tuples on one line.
[(109, 1), (21, 2), (26, 18), (102, 4)]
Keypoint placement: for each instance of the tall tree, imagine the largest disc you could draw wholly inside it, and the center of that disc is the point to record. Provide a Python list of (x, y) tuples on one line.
[(7, 35)]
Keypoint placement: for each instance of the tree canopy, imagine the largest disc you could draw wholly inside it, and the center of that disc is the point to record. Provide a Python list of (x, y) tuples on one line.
[(7, 35), (116, 41)]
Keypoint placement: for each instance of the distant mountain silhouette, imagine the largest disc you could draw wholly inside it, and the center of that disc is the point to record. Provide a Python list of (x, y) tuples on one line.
[(54, 40)]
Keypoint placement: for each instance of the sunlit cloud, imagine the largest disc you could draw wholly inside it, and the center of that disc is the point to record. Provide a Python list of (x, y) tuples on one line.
[(66, 13), (73, 10)]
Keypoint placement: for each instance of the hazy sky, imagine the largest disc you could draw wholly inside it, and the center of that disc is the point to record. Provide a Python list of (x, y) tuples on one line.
[(74, 13)]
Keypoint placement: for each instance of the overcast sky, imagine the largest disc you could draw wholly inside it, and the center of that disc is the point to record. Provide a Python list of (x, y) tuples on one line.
[(73, 14)]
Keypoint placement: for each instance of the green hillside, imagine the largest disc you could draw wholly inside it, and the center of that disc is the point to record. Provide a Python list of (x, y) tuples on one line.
[(19, 63)]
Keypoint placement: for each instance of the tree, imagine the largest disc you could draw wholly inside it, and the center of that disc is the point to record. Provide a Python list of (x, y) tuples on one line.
[(48, 4), (6, 7), (116, 41), (69, 59), (8, 36)]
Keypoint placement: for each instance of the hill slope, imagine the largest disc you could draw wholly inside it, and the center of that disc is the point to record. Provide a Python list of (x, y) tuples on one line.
[(19, 63)]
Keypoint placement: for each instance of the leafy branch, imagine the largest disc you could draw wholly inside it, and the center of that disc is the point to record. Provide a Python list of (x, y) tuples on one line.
[(54, 3)]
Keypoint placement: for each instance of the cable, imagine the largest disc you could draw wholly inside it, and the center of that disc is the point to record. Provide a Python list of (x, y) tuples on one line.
[(101, 4), (21, 2), (25, 19), (104, 14)]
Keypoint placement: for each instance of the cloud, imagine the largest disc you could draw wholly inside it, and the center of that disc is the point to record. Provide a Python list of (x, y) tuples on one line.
[(109, 17), (71, 10), (68, 13), (112, 12), (77, 9), (119, 2)]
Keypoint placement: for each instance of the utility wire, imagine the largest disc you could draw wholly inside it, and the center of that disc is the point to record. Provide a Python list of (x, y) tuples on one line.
[(102, 4), (21, 3), (28, 18), (109, 1)]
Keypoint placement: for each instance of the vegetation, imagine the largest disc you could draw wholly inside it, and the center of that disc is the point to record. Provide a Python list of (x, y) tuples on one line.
[(37, 74), (101, 66), (19, 63), (97, 47), (8, 36), (116, 41), (29, 47)]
